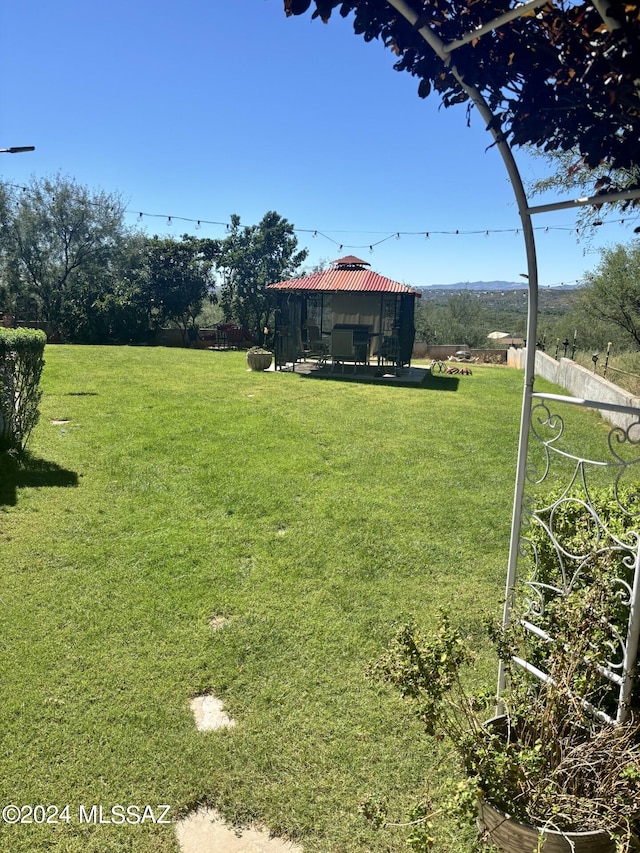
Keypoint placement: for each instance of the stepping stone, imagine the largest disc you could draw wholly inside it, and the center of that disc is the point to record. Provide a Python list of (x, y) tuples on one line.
[(208, 714), (204, 831)]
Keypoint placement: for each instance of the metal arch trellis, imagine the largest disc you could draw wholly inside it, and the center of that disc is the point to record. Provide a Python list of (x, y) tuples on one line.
[(619, 671), (602, 543)]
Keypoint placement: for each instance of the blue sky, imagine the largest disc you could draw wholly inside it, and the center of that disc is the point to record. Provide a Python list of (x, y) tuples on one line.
[(205, 108)]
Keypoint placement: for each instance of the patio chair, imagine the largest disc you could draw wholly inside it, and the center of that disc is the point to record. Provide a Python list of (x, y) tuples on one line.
[(390, 350), (342, 349), (316, 347)]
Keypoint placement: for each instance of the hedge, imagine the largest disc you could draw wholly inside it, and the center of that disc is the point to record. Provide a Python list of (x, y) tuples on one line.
[(21, 363)]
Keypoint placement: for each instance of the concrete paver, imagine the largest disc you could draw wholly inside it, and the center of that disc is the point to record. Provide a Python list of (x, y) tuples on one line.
[(204, 831), (208, 714)]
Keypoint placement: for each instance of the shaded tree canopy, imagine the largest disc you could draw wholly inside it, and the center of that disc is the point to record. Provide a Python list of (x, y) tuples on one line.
[(557, 77)]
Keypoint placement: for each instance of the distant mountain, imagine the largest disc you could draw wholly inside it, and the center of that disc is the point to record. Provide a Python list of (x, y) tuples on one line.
[(479, 285), (488, 286)]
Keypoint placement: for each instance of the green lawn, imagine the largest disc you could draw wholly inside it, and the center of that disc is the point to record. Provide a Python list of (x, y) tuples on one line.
[(315, 515)]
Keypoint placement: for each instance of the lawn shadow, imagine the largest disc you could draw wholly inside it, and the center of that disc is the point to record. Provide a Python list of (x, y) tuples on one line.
[(441, 382), (27, 471), (407, 377)]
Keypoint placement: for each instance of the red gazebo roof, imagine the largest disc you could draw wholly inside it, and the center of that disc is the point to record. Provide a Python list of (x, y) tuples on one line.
[(345, 274)]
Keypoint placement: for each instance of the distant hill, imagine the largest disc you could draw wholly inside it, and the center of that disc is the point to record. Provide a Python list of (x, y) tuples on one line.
[(479, 285), (488, 286)]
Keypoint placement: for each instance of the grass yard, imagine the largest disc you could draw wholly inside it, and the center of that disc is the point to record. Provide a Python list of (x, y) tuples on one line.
[(316, 516)]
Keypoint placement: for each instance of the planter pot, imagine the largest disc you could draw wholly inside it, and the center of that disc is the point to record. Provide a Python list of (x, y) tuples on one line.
[(259, 360), (509, 834)]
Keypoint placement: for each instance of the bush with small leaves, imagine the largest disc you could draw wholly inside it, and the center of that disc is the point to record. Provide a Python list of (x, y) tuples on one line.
[(21, 364), (548, 761)]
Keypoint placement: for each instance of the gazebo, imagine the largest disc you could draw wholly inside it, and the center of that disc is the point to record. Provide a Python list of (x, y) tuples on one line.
[(375, 313)]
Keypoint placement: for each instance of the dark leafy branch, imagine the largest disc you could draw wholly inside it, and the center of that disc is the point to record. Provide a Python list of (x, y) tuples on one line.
[(556, 78)]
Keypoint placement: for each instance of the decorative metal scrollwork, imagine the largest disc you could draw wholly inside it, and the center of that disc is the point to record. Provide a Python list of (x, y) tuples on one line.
[(580, 519)]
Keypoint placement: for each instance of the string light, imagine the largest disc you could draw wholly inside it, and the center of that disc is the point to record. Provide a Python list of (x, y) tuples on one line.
[(198, 223)]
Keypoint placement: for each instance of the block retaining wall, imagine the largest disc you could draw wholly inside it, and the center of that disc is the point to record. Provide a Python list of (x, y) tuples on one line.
[(580, 383)]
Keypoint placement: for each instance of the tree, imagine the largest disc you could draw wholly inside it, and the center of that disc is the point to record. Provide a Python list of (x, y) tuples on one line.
[(571, 175), (611, 292), (250, 258), (61, 251), (121, 314), (465, 319), (460, 320), (176, 277)]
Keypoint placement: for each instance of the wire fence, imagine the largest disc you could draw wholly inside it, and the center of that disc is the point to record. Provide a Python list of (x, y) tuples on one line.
[(627, 379)]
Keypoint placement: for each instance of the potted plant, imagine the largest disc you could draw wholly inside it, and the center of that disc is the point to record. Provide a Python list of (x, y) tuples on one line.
[(546, 774), (259, 358)]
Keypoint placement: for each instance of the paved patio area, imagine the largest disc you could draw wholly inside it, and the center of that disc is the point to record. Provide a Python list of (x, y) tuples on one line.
[(407, 376)]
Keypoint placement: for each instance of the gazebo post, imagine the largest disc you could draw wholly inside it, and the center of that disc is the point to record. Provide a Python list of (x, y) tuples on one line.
[(379, 349)]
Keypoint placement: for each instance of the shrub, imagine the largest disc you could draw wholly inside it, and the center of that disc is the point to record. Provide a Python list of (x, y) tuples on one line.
[(21, 363), (548, 761), (579, 543)]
